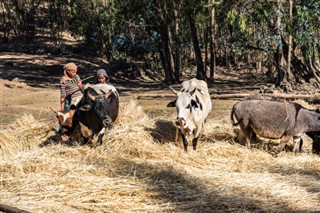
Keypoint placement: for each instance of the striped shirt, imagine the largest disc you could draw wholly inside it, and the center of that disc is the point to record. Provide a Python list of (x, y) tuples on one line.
[(69, 88)]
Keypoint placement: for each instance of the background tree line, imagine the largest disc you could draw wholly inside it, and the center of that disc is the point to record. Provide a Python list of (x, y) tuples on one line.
[(278, 37)]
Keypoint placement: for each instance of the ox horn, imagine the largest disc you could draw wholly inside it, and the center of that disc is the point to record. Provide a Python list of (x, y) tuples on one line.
[(173, 90), (54, 111), (92, 97), (107, 94)]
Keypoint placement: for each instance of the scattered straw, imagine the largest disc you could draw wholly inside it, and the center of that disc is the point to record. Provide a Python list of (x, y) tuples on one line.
[(139, 168)]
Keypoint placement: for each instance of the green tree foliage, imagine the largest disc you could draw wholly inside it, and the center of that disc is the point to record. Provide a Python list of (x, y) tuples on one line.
[(94, 22), (176, 34)]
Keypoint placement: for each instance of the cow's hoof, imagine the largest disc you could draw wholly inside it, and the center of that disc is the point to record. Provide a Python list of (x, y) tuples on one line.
[(64, 138), (274, 152)]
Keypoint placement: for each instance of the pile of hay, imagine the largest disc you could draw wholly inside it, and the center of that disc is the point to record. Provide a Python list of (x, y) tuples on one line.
[(139, 168)]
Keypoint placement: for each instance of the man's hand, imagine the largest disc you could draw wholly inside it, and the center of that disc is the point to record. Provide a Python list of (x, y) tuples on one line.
[(80, 84)]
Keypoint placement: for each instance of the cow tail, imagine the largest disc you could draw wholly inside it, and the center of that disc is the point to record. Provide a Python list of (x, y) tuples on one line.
[(232, 117)]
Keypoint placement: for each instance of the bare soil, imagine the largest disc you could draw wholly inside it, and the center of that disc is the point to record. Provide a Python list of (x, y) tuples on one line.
[(30, 84), (219, 176)]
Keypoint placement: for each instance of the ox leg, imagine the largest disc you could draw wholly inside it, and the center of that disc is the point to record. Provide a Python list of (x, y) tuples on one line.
[(283, 142), (100, 139), (315, 145), (253, 137), (241, 137), (185, 142), (100, 135), (315, 141), (64, 135), (250, 136), (298, 142), (194, 143)]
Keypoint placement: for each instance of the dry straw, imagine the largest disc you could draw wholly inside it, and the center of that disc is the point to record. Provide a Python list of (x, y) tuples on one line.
[(140, 168)]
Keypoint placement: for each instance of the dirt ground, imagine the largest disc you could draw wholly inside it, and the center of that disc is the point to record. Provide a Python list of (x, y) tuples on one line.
[(30, 85), (139, 161)]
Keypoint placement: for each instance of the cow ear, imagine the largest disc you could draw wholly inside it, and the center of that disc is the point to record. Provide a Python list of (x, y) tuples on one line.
[(194, 103), (86, 107), (172, 103), (107, 95), (90, 96)]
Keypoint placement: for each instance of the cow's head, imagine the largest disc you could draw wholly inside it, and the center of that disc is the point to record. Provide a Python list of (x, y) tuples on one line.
[(185, 104), (98, 102), (64, 118)]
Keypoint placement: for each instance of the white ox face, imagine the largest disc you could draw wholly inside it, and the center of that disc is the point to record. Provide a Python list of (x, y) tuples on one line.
[(185, 106)]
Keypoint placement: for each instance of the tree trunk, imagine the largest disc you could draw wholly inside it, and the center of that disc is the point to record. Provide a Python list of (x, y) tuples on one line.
[(290, 77), (211, 43), (205, 41), (278, 56), (176, 46), (197, 50), (169, 78), (312, 67)]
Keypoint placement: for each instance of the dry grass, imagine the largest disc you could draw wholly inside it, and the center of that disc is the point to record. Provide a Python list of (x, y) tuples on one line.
[(140, 168)]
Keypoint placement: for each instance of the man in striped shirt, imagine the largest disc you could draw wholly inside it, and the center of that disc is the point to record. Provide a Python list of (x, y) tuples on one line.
[(71, 94), (70, 87)]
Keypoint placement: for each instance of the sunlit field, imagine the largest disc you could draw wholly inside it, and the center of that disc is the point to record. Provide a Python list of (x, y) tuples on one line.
[(141, 168)]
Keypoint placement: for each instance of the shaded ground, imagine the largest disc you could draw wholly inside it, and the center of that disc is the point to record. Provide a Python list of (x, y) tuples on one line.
[(46, 70), (30, 83)]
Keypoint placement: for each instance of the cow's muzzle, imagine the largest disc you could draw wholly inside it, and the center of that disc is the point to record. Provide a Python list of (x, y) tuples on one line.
[(107, 122), (180, 122)]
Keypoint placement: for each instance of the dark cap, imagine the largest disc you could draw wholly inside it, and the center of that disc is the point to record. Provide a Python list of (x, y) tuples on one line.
[(102, 72)]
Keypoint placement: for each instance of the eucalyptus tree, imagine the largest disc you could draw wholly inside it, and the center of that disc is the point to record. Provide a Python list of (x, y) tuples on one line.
[(299, 39), (146, 21), (19, 18), (175, 25), (191, 10), (285, 32), (94, 22), (306, 34)]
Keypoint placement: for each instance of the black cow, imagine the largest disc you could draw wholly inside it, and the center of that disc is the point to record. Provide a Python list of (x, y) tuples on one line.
[(97, 111)]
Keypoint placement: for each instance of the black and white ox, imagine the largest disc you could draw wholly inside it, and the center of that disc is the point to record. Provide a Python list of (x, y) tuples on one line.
[(273, 120), (193, 104), (97, 111)]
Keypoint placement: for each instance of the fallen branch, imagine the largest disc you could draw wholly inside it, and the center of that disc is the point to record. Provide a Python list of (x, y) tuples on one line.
[(10, 209), (315, 97)]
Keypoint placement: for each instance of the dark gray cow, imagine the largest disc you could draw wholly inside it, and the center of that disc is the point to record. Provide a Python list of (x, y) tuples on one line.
[(273, 120)]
